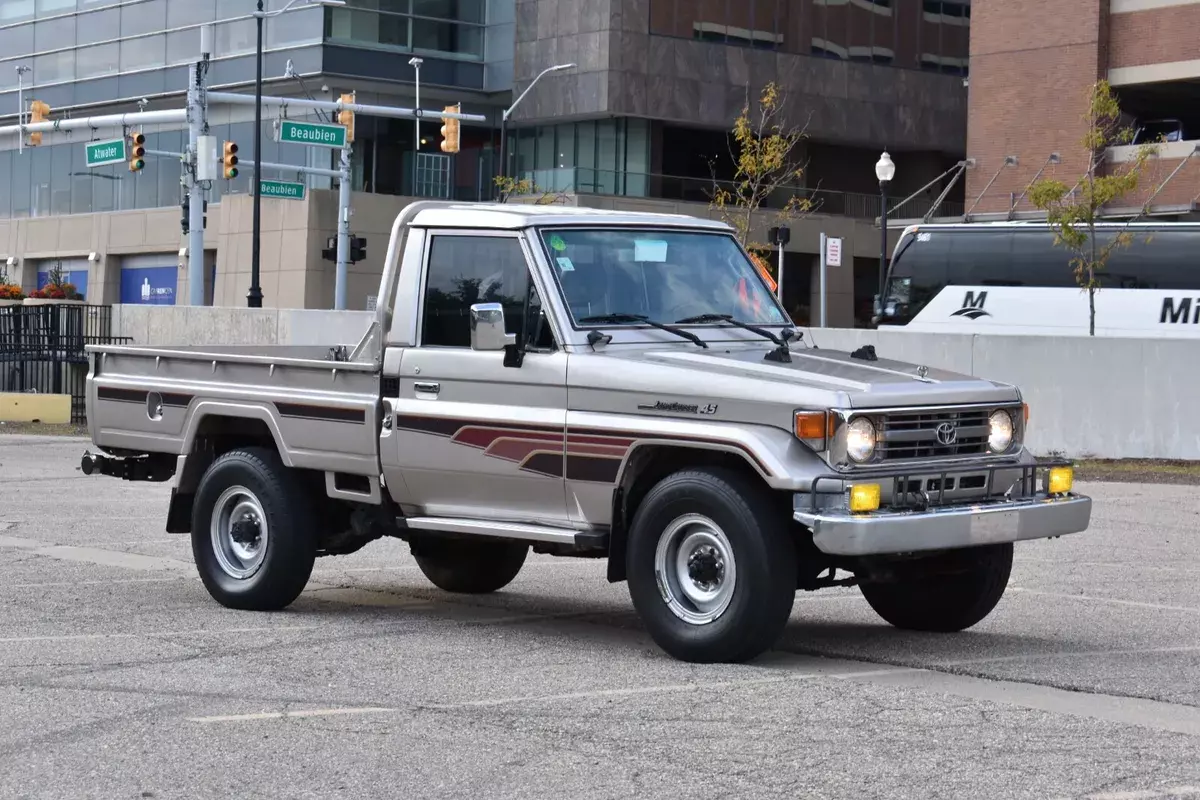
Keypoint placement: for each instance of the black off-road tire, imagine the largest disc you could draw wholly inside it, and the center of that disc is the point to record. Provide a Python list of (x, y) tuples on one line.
[(764, 554), (290, 547), (469, 566), (950, 602)]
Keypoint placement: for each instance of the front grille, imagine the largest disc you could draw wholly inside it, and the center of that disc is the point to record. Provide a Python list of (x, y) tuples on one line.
[(913, 435)]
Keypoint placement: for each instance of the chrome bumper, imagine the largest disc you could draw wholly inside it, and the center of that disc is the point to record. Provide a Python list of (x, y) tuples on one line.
[(883, 532)]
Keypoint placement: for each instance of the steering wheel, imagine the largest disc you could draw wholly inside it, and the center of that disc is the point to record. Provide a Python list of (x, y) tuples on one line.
[(688, 309)]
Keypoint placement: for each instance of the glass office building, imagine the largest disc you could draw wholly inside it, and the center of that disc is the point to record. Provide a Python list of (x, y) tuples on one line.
[(90, 57)]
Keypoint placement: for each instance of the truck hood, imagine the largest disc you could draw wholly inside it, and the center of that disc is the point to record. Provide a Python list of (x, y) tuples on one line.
[(814, 376)]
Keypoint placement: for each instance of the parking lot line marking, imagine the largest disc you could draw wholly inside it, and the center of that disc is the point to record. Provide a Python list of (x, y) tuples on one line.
[(1147, 794), (159, 634), (810, 670), (1112, 600), (1153, 714), (1106, 565), (93, 555), (320, 712), (1073, 654), (112, 582)]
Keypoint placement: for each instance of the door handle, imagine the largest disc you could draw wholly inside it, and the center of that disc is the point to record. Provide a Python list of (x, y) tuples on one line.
[(427, 387)]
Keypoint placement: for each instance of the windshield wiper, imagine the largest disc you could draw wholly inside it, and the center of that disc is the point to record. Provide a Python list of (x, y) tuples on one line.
[(782, 353), (618, 319)]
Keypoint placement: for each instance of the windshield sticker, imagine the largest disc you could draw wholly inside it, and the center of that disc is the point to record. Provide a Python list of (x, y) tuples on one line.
[(652, 250), (565, 264), (557, 244)]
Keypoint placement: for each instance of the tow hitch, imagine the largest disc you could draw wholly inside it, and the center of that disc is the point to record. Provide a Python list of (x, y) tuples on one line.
[(155, 468)]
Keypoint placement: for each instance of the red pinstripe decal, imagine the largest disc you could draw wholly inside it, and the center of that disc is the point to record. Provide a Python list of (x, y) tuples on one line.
[(585, 452)]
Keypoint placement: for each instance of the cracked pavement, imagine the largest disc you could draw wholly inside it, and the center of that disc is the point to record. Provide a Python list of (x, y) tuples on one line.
[(120, 677)]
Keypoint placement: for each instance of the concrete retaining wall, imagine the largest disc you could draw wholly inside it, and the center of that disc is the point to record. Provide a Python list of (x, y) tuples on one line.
[(200, 325), (1105, 397)]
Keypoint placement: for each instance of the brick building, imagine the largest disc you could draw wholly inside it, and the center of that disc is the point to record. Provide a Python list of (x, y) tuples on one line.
[(1032, 64)]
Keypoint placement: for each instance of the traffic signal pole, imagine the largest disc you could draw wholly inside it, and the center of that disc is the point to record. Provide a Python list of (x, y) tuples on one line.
[(192, 175), (343, 233)]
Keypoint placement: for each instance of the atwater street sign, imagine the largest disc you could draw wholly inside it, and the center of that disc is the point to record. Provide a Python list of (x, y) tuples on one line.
[(311, 133), (285, 189), (101, 153)]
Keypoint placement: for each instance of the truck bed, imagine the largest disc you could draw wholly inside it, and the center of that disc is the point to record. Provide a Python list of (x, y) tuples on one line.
[(321, 413)]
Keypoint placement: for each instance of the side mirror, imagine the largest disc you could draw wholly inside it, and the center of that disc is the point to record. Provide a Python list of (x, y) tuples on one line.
[(487, 328)]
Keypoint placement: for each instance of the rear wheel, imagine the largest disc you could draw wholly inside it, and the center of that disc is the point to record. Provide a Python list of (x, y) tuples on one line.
[(468, 566), (253, 536), (968, 585), (711, 566)]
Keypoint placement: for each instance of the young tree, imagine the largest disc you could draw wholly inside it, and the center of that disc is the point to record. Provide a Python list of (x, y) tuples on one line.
[(509, 187), (762, 147), (1074, 211)]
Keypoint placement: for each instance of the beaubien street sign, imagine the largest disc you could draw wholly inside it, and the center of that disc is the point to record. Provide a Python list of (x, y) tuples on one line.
[(311, 133), (101, 153), (284, 189)]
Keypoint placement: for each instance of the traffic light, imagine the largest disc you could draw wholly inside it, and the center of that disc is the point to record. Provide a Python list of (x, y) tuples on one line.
[(38, 111), (137, 151), (450, 139), (346, 116), (229, 162), (358, 249)]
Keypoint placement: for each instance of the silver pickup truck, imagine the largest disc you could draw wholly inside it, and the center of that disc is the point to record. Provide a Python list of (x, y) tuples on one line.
[(591, 384)]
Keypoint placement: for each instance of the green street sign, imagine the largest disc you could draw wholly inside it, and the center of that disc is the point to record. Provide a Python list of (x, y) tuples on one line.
[(311, 133), (101, 153), (284, 189)]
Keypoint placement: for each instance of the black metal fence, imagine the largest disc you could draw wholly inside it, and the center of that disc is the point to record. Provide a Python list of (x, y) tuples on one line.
[(42, 349)]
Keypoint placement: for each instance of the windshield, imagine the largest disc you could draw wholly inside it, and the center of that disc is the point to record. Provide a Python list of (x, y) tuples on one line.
[(664, 276)]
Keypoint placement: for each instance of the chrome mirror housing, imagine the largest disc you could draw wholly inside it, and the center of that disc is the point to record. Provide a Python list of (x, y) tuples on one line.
[(487, 328)]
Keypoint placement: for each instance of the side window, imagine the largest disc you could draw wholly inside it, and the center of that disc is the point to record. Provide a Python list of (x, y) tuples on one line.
[(1038, 261), (982, 258), (464, 270)]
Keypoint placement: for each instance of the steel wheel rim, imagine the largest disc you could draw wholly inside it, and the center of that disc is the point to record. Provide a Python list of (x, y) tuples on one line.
[(695, 569), (239, 532)]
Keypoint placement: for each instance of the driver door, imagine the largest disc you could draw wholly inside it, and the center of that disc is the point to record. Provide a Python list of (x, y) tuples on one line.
[(477, 439)]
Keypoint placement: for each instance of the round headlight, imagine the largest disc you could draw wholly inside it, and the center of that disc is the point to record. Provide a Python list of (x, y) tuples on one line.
[(1000, 431), (860, 439)]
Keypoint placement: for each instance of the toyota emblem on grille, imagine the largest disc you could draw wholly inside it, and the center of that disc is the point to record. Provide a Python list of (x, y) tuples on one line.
[(946, 433)]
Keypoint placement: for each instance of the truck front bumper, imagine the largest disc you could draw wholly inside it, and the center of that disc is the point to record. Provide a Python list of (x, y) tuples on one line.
[(882, 532)]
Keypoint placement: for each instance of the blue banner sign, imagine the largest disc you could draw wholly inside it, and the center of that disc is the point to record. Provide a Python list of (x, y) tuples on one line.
[(149, 285)]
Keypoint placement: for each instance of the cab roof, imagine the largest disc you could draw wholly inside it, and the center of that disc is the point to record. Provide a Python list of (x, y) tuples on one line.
[(516, 216)]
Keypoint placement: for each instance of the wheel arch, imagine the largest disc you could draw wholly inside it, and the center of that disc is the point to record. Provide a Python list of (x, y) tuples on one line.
[(646, 465), (213, 429)]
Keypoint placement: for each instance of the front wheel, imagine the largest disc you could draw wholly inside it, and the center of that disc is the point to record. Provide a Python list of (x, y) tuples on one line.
[(968, 585), (253, 536), (711, 566)]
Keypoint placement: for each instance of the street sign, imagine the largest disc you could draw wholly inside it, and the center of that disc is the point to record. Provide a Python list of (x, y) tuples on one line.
[(833, 252), (101, 153), (311, 133), (287, 190)]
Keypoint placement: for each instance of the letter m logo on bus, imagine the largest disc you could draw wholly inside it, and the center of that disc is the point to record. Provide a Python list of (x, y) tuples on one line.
[(1179, 313), (972, 307)]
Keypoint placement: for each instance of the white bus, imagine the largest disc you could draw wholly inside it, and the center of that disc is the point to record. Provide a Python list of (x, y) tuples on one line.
[(1011, 278)]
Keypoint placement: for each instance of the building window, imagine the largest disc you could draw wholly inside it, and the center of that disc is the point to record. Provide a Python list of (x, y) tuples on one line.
[(446, 27), (610, 156)]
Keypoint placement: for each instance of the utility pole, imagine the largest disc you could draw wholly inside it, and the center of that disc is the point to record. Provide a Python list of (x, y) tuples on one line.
[(343, 232), (198, 167)]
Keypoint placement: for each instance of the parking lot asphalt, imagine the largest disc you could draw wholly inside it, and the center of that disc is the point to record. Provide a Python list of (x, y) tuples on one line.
[(121, 678)]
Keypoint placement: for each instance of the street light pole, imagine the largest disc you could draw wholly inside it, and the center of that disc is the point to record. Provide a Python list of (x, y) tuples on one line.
[(885, 170), (508, 113), (416, 63), (255, 298)]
